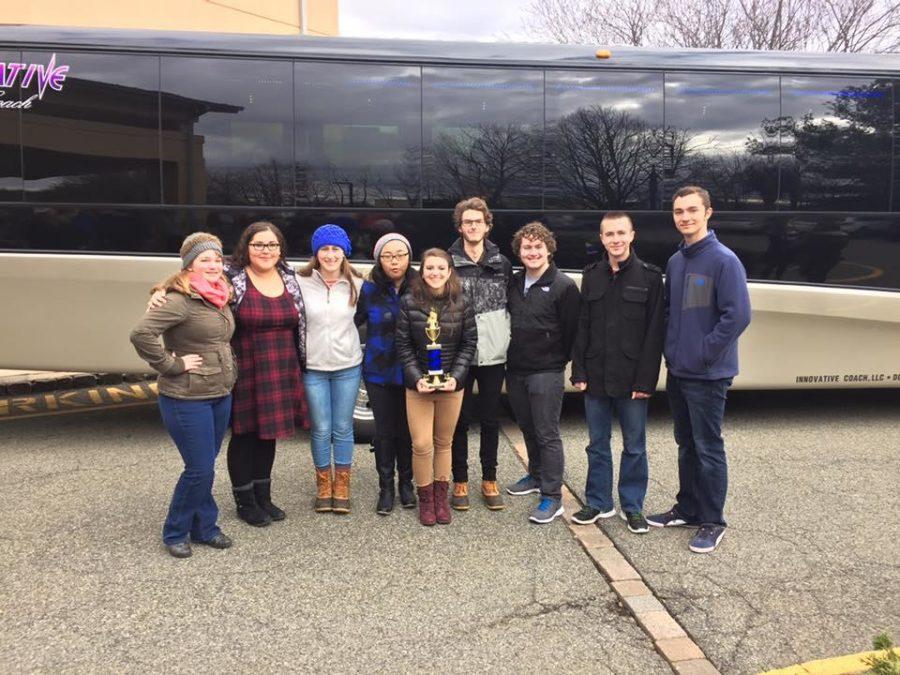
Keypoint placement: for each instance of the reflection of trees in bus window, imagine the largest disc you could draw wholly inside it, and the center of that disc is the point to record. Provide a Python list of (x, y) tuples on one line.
[(359, 134), (483, 136), (227, 131), (10, 166), (836, 143), (606, 144), (96, 140), (720, 113)]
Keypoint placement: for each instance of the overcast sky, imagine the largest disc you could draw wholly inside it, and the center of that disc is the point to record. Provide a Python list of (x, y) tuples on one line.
[(485, 20)]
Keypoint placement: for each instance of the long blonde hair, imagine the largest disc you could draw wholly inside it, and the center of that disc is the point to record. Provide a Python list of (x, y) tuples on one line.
[(348, 272)]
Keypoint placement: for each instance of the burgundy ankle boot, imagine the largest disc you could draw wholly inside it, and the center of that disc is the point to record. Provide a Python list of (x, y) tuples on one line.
[(441, 505), (426, 505)]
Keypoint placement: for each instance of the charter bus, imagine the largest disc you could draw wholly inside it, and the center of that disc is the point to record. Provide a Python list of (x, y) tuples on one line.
[(116, 144)]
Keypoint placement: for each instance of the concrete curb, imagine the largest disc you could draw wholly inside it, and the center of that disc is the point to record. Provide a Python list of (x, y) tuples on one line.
[(838, 665), (669, 637)]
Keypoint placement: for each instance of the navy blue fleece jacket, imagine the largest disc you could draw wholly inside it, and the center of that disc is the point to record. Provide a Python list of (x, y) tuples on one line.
[(709, 307)]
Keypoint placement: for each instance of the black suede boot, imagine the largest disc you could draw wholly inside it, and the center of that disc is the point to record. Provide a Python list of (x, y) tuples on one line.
[(407, 493), (384, 465), (247, 508), (262, 489)]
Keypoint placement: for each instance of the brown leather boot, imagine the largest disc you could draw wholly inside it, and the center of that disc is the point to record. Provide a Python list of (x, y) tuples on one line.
[(426, 504), (491, 495), (323, 490), (340, 502), (460, 498), (441, 507)]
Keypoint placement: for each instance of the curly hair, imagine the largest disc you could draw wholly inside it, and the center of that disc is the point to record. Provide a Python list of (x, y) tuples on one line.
[(534, 230)]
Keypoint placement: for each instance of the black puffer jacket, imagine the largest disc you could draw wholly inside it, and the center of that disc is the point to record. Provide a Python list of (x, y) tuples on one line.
[(458, 339)]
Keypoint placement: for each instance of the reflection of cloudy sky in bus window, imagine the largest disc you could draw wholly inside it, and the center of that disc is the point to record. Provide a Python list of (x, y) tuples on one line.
[(141, 72), (479, 96), (636, 93)]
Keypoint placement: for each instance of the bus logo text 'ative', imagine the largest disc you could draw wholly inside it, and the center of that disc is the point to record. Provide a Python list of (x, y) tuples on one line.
[(26, 75)]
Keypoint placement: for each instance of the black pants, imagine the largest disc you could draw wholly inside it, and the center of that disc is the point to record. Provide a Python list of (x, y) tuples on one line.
[(490, 382), (393, 445), (249, 459)]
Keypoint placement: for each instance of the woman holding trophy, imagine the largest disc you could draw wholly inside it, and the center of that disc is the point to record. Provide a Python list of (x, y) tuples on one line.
[(436, 339)]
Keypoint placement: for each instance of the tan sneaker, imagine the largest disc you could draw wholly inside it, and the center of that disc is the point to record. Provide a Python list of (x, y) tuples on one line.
[(460, 499), (491, 495)]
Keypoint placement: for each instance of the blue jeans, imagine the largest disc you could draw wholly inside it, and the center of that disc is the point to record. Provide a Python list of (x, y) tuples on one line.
[(331, 395), (632, 414), (197, 427), (698, 407)]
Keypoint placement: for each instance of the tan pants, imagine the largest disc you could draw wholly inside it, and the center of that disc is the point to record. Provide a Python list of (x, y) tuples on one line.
[(432, 419)]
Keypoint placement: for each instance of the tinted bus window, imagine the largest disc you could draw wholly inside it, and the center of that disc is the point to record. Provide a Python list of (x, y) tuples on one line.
[(359, 134), (606, 147), (836, 140), (725, 136), (227, 131), (10, 114), (483, 132), (94, 137)]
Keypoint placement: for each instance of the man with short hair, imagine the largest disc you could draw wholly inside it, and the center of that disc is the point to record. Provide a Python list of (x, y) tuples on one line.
[(543, 306), (616, 363), (484, 273), (708, 309)]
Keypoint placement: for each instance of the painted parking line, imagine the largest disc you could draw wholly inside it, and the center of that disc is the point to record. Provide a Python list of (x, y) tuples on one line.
[(838, 665), (77, 400), (670, 639)]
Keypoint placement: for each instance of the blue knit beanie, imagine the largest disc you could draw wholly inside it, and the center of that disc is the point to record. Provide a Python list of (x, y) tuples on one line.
[(331, 235)]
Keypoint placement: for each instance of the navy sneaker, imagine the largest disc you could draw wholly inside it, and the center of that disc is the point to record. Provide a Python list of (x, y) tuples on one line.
[(524, 486), (670, 518), (588, 515), (707, 538), (546, 511)]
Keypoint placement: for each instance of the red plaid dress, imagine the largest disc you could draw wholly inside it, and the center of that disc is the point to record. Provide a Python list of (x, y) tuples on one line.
[(268, 398)]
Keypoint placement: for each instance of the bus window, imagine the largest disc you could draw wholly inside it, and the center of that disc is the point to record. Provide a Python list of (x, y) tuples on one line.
[(358, 135), (606, 146), (726, 128), (836, 140), (227, 131), (91, 130), (483, 136), (10, 166)]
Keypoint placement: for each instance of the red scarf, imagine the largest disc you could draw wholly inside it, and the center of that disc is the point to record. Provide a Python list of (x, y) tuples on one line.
[(215, 292)]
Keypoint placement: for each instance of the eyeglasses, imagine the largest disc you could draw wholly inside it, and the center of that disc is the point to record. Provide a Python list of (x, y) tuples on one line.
[(393, 257), (467, 223), (259, 248)]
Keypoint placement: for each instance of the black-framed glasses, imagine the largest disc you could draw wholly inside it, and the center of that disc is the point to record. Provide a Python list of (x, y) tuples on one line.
[(393, 257), (271, 246)]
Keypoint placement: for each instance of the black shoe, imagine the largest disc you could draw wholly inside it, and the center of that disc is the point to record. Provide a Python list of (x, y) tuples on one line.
[(182, 549), (407, 494), (636, 522), (247, 508), (588, 515), (219, 541), (385, 501), (262, 490)]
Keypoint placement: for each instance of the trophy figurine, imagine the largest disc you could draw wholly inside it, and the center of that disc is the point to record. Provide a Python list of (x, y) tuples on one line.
[(436, 375)]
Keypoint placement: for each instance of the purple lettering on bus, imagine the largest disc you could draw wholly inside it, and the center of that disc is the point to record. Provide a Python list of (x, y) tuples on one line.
[(26, 78), (51, 75)]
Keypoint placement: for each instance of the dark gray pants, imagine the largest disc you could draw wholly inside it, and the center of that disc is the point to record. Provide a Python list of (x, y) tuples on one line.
[(536, 400)]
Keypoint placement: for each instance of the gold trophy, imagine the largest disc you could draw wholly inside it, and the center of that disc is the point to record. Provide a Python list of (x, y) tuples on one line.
[(436, 376)]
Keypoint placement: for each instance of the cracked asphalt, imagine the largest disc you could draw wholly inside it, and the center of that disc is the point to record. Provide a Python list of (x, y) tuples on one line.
[(810, 565), (87, 586)]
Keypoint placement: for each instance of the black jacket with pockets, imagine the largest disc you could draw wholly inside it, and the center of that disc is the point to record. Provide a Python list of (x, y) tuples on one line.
[(621, 331), (458, 339), (544, 322)]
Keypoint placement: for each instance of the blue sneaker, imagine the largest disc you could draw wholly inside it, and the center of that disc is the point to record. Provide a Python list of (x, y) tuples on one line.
[(524, 486), (671, 518), (546, 511), (707, 538)]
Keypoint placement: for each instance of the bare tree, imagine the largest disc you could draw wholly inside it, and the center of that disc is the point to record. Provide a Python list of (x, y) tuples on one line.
[(817, 25), (629, 22)]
